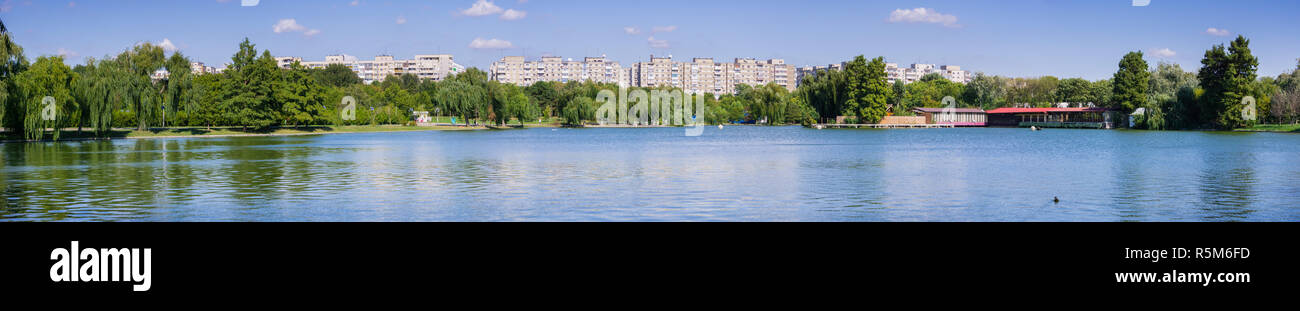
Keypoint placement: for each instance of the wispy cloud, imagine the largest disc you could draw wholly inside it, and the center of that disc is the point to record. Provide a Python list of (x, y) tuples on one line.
[(658, 29), (1162, 53), (513, 14), (923, 15), (66, 53), (658, 44), (631, 30), (1217, 32), (482, 7), (480, 43)]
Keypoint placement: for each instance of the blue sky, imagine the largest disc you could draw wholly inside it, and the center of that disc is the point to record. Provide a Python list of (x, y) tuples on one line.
[(1019, 38)]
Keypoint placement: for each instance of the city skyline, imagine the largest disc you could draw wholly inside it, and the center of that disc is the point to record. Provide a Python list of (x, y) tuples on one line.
[(1012, 38)]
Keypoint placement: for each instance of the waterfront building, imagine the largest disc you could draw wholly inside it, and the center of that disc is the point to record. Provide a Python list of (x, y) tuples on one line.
[(958, 117), (425, 66), (1083, 117)]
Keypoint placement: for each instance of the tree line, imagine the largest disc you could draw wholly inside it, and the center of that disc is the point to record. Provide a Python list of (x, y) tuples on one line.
[(1172, 98)]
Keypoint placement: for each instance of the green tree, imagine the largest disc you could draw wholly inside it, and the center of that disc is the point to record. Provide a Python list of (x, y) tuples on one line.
[(1075, 91), (336, 75), (1131, 83), (1226, 76), (12, 62), (48, 77), (869, 92), (986, 92)]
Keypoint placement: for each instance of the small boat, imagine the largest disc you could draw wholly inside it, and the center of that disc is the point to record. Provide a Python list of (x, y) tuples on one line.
[(1034, 128)]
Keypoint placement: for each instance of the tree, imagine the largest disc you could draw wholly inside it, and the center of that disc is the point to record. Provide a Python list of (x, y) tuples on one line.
[(1074, 91), (248, 98), (1131, 83), (336, 75), (986, 92), (48, 77), (1226, 76), (868, 91), (12, 62)]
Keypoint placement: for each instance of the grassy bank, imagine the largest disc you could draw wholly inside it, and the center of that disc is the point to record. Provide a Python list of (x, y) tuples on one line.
[(1280, 128), (72, 134)]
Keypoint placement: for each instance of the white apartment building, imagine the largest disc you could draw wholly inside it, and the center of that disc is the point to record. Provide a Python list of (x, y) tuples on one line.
[(427, 66), (704, 75), (286, 62), (895, 73), (519, 71), (199, 68), (916, 71)]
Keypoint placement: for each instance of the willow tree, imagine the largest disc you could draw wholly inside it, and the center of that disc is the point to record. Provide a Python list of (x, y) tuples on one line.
[(93, 90), (47, 79), (12, 62)]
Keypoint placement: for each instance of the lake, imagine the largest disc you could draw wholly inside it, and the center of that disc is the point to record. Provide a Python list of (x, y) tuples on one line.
[(740, 173)]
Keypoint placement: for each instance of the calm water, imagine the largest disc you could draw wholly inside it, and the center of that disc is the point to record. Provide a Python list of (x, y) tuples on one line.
[(735, 174)]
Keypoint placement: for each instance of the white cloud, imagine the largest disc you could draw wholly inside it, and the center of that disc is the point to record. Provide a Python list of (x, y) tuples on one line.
[(401, 20), (631, 30), (923, 15), (167, 45), (482, 7), (291, 25), (1217, 32), (287, 25), (479, 43), (663, 29), (658, 44), (1163, 53), (66, 53), (512, 14)]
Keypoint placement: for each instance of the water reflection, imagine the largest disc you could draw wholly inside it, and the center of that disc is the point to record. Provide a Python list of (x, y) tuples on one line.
[(741, 173)]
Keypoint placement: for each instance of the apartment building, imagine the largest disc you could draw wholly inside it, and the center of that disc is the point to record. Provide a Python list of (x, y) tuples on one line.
[(426, 66), (519, 71), (199, 68), (916, 71), (704, 75), (807, 71), (895, 73)]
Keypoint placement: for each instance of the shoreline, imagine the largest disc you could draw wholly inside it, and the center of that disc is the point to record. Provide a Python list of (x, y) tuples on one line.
[(226, 132)]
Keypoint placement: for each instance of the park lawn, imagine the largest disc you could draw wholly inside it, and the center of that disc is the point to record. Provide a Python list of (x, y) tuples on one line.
[(1291, 128)]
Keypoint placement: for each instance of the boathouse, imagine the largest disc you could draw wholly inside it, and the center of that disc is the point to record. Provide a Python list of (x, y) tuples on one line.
[(965, 117), (1099, 118)]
